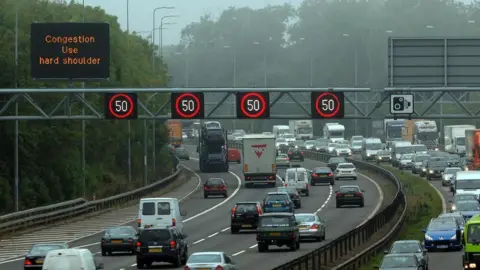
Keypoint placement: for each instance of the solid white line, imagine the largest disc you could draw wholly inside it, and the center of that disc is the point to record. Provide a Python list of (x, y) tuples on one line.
[(226, 229), (199, 241), (212, 235), (326, 201), (133, 265), (254, 246), (444, 203), (379, 201), (238, 253)]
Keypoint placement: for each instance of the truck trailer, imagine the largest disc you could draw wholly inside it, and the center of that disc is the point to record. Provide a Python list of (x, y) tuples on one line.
[(301, 129), (472, 149), (174, 132), (334, 132), (454, 138), (259, 160), (213, 148)]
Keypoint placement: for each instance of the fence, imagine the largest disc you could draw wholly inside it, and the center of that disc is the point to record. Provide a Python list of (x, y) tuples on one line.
[(52, 213), (343, 247)]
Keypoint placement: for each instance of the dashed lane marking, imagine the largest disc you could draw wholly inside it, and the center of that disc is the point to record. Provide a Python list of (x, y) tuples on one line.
[(254, 246), (212, 235), (238, 253), (198, 241), (226, 229)]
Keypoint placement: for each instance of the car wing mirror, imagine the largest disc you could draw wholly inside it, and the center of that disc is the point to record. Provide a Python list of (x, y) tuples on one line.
[(362, 190), (424, 230), (385, 252)]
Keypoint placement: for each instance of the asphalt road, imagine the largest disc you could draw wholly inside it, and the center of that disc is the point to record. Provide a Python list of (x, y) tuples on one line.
[(443, 259), (207, 223)]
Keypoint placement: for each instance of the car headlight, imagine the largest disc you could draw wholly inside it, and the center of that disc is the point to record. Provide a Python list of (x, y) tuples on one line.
[(368, 155), (453, 208), (423, 169), (454, 237), (430, 171), (380, 158), (427, 237)]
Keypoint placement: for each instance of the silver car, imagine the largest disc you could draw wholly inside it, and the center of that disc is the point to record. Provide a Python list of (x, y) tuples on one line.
[(342, 150), (311, 226), (282, 160), (356, 147), (309, 144), (409, 247), (210, 260), (448, 174), (405, 161)]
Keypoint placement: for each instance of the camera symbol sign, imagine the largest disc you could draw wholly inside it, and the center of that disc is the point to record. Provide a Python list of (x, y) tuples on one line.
[(401, 104)]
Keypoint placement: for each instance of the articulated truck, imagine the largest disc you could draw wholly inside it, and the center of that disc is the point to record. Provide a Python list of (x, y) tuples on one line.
[(259, 160), (472, 148), (454, 138), (213, 148), (302, 129)]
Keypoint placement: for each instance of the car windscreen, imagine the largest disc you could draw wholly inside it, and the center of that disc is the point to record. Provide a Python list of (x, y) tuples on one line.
[(246, 208), (215, 182), (346, 166), (154, 235), (275, 221), (458, 218), (322, 170), (342, 146), (119, 231), (373, 146), (403, 150), (452, 170), (41, 250), (402, 247), (305, 218), (473, 234), (420, 158), (407, 157), (391, 262), (205, 258), (332, 145), (442, 225), (282, 156), (336, 160), (281, 140), (467, 206), (349, 189), (289, 190), (276, 197), (357, 144), (437, 164), (419, 148), (467, 184), (383, 153), (464, 197)]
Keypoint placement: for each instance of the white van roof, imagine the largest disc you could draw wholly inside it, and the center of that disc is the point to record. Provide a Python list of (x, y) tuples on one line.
[(158, 199), (468, 175), (68, 252)]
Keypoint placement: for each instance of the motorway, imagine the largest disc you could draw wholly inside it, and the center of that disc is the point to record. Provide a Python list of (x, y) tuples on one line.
[(208, 220)]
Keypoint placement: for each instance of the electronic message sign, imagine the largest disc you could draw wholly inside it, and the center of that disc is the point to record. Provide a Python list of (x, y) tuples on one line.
[(70, 51)]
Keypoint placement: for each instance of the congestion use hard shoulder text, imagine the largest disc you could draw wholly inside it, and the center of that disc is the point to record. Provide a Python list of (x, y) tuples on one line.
[(69, 50)]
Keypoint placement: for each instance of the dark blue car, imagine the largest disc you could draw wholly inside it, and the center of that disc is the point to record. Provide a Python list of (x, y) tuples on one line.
[(278, 202), (443, 233), (468, 208)]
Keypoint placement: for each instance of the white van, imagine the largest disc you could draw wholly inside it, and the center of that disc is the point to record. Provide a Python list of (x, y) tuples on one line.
[(160, 212), (466, 182), (70, 259), (298, 178)]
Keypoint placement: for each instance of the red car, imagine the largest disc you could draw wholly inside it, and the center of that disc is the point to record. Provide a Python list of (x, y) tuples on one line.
[(234, 155)]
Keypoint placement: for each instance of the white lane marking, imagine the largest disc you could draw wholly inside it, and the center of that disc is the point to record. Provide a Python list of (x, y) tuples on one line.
[(326, 201), (133, 265), (379, 201), (212, 235), (444, 203), (198, 241), (254, 246), (226, 229), (238, 253)]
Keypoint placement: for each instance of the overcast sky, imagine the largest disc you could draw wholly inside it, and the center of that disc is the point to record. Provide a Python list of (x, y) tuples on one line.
[(141, 12)]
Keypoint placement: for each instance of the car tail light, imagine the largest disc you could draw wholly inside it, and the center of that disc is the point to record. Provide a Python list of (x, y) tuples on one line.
[(186, 268), (285, 202), (139, 222), (301, 153), (315, 227), (339, 194), (289, 153), (306, 185), (285, 185), (315, 175), (330, 174), (173, 244), (27, 262), (103, 241), (219, 267), (224, 187), (358, 194), (259, 210), (205, 188), (138, 244), (233, 211), (291, 235), (287, 159)]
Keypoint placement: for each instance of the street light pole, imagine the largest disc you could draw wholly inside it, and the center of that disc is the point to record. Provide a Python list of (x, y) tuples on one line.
[(17, 180), (153, 34), (161, 32)]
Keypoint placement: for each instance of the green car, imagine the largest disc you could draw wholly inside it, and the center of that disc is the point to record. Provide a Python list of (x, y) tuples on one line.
[(280, 229)]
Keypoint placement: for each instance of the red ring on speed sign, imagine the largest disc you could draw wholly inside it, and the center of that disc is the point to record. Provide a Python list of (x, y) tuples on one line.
[(112, 111), (327, 115), (180, 112), (253, 115)]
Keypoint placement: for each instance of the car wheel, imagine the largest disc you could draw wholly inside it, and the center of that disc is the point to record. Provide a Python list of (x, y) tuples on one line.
[(205, 195), (104, 253), (362, 204), (428, 177), (293, 245), (307, 193), (332, 183), (312, 183), (178, 261), (185, 258), (234, 230), (239, 161), (262, 247), (140, 264), (225, 195), (338, 205)]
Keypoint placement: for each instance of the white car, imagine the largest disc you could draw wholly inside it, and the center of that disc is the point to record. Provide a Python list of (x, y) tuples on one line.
[(345, 171), (331, 147), (342, 150), (290, 138)]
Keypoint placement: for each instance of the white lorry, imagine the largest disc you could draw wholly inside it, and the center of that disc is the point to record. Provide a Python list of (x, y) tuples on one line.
[(279, 130), (302, 129), (426, 132), (454, 138), (334, 132), (259, 160)]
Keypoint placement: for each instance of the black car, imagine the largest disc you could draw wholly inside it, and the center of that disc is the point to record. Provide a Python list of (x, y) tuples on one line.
[(334, 161), (322, 175), (294, 195), (349, 195), (121, 238), (245, 216), (453, 160), (295, 154), (36, 256), (280, 229), (435, 167), (161, 245), (215, 187)]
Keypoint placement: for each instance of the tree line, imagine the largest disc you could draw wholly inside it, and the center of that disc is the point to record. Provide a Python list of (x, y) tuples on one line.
[(50, 164), (320, 43)]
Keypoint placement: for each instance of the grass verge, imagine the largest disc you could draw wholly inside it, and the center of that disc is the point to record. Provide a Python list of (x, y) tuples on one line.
[(424, 203)]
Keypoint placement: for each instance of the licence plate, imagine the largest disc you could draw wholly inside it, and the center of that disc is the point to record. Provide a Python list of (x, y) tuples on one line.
[(117, 241), (303, 227), (246, 226), (275, 234), (215, 188), (348, 195), (442, 246), (276, 205), (155, 250), (39, 261), (147, 226)]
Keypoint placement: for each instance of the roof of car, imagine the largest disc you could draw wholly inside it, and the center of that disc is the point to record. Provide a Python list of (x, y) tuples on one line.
[(209, 253), (277, 214), (407, 241), (350, 186), (345, 163), (295, 170), (277, 192), (246, 202)]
